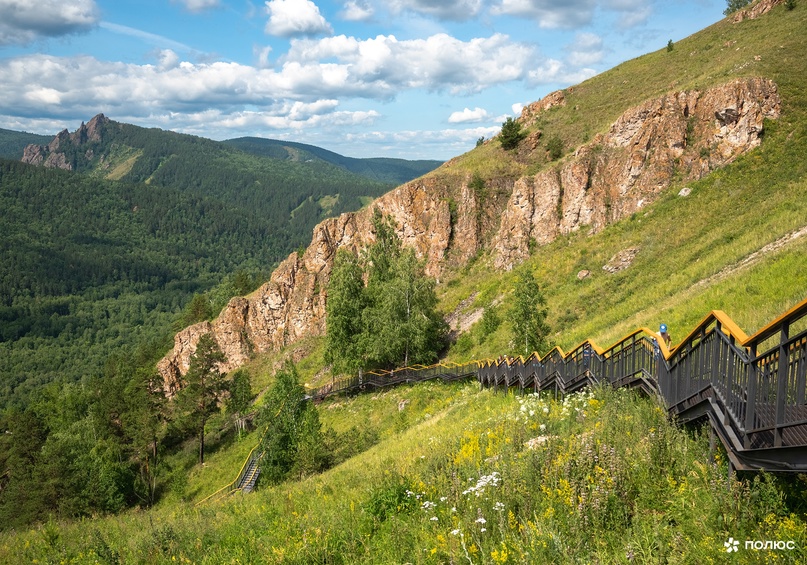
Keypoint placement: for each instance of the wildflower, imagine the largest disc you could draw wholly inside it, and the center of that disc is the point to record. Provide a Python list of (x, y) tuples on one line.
[(481, 520), (454, 532), (483, 529), (498, 507), (433, 518)]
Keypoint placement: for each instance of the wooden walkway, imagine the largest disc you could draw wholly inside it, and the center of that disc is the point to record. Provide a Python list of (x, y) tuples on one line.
[(751, 389)]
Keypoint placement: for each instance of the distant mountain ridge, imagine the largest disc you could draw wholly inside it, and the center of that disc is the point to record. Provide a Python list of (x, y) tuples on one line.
[(13, 143), (383, 169), (138, 223), (53, 152)]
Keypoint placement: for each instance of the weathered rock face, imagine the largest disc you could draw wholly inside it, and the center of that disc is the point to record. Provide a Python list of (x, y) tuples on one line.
[(52, 155), (292, 304), (613, 176), (628, 167), (755, 10)]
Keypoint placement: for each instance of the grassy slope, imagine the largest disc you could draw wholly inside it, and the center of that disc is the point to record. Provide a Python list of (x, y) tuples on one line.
[(610, 478), (653, 492), (684, 242)]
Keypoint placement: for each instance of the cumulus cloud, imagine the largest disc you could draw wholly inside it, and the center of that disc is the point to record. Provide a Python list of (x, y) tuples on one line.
[(587, 49), (198, 5), (458, 10), (549, 13), (24, 22), (383, 65), (469, 116), (289, 18), (357, 11), (552, 71)]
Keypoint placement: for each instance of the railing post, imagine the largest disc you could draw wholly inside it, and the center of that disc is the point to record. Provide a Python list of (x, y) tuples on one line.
[(751, 397), (781, 378)]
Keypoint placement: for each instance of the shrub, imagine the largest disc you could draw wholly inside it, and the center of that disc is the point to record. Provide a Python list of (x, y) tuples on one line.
[(511, 134)]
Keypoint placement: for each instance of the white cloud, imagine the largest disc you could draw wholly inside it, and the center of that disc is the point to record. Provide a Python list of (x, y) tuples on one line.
[(198, 5), (573, 14), (261, 54), (469, 116), (458, 10), (587, 49), (549, 13), (23, 22), (552, 71), (288, 18), (381, 66), (421, 144), (168, 60), (357, 11), (517, 108)]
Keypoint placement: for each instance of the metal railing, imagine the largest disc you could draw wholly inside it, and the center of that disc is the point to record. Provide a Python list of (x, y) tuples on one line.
[(383, 379), (755, 402)]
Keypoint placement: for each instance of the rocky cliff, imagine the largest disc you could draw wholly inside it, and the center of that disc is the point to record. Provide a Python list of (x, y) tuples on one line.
[(684, 134), (54, 154)]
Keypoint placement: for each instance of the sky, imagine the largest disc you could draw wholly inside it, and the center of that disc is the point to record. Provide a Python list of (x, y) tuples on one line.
[(413, 79)]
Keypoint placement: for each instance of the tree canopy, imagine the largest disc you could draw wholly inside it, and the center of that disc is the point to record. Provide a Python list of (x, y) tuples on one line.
[(390, 320), (528, 315)]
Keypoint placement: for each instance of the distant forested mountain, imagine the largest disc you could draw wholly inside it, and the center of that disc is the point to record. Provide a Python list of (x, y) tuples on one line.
[(12, 143), (107, 240), (396, 171)]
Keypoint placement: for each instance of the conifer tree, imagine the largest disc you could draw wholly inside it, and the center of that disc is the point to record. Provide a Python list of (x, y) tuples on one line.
[(204, 384)]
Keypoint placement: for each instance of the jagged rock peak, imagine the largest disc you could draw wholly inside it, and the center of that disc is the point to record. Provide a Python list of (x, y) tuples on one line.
[(52, 154)]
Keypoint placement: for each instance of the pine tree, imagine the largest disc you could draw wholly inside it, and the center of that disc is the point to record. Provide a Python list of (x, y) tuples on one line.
[(511, 134), (204, 384)]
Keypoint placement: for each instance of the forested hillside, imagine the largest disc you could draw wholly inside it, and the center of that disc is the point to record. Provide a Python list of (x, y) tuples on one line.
[(12, 142), (382, 169), (91, 266), (106, 254)]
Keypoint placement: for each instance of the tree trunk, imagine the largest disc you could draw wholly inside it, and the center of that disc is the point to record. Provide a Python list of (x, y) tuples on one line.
[(202, 445)]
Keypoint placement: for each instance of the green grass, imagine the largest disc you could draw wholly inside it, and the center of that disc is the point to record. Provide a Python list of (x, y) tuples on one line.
[(483, 478), (610, 480)]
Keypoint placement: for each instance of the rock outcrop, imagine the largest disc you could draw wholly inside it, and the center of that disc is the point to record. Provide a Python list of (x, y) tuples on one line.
[(691, 133), (292, 304), (53, 154), (755, 10), (605, 180)]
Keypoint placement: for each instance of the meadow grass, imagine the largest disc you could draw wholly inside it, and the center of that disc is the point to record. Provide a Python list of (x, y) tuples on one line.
[(458, 475), (599, 476)]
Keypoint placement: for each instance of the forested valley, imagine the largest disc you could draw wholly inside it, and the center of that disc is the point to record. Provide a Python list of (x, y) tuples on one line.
[(147, 231)]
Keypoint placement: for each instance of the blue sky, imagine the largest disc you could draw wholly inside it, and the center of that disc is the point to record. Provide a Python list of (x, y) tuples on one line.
[(417, 79)]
